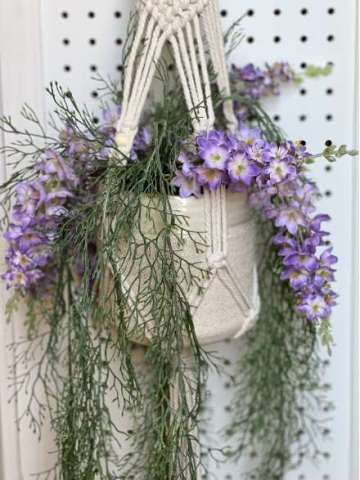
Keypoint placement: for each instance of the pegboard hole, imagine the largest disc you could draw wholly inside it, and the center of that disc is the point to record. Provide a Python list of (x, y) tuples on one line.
[(303, 38), (303, 65), (328, 193), (92, 41), (303, 91), (93, 68), (119, 68), (91, 14), (66, 42), (250, 39), (65, 14), (330, 38), (117, 14), (277, 11), (118, 41), (329, 117), (328, 168), (331, 11), (95, 120), (303, 118), (223, 13), (329, 91), (304, 11), (277, 39), (94, 94), (276, 118), (67, 68), (250, 12)]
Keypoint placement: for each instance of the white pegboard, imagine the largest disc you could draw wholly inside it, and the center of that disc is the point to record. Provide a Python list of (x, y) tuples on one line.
[(85, 36)]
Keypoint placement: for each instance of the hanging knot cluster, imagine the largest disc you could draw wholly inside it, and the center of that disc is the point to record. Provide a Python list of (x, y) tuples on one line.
[(173, 14)]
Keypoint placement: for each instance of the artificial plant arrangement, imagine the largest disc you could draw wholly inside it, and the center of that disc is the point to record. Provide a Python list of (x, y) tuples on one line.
[(98, 249)]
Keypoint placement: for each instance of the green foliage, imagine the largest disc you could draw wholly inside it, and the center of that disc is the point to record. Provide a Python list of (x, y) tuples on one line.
[(314, 71), (279, 388)]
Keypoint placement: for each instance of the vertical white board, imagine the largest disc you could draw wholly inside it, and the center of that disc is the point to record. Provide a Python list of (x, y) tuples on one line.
[(82, 37)]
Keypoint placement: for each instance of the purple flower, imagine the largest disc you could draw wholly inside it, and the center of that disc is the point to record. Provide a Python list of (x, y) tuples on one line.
[(297, 278), (255, 82), (142, 140), (215, 156), (31, 238), (249, 135), (327, 258), (240, 168), (302, 261), (18, 278), (290, 218), (52, 163), (29, 197), (250, 73), (278, 152), (187, 163), (212, 149), (318, 220), (279, 170), (19, 260), (257, 152), (41, 254), (110, 117), (314, 307), (323, 276), (14, 232), (188, 184), (210, 177)]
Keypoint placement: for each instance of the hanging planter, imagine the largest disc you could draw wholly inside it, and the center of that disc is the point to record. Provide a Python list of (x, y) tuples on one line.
[(224, 303), (151, 228), (224, 300)]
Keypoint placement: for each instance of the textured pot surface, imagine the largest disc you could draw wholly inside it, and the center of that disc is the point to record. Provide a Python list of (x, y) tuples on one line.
[(229, 302)]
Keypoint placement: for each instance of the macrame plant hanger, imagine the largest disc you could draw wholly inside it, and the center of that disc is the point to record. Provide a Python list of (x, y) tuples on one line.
[(192, 27), (188, 25)]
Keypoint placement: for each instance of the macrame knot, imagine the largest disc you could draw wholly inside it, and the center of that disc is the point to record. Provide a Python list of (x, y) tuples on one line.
[(216, 260), (124, 139)]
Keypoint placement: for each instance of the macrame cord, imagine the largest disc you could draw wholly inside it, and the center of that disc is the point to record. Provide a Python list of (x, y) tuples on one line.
[(181, 22)]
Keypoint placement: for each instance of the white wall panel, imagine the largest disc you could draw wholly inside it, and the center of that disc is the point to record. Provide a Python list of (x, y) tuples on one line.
[(83, 36)]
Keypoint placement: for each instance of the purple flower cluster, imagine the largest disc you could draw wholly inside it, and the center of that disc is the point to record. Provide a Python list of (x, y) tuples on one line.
[(274, 177), (219, 159), (256, 83), (40, 204)]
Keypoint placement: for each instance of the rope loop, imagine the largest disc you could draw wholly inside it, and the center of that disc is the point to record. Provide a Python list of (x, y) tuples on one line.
[(216, 261)]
